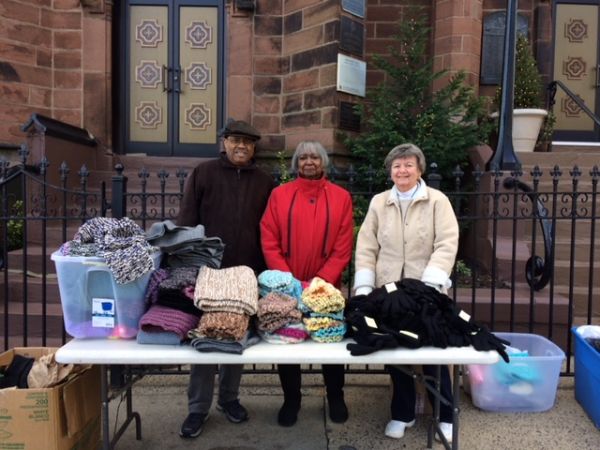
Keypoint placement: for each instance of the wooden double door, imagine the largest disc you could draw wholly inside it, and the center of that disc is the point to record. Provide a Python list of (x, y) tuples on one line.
[(171, 79)]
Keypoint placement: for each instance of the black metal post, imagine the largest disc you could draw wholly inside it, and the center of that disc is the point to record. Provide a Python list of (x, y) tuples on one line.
[(504, 157), (119, 190)]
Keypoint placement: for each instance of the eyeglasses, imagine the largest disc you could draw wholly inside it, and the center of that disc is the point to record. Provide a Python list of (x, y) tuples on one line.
[(237, 140)]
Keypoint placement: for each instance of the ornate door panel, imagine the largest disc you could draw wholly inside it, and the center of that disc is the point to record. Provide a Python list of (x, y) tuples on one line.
[(576, 65), (171, 90)]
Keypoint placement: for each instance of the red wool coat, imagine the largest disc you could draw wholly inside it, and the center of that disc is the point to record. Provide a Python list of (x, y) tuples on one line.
[(307, 230)]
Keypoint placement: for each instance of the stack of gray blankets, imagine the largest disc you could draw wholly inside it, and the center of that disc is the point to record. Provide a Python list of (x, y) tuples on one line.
[(186, 246)]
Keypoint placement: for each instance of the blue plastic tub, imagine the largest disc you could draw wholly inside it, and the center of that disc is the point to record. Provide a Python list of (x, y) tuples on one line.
[(526, 384), (587, 377)]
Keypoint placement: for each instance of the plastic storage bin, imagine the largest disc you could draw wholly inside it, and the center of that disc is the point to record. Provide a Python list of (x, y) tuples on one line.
[(93, 304), (526, 384), (587, 377)]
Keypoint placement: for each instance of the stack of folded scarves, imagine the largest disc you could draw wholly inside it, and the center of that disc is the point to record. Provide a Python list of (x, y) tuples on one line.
[(279, 316), (172, 312), (227, 298), (325, 317)]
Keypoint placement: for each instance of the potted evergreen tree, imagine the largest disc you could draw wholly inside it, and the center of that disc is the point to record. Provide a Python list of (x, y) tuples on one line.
[(529, 113)]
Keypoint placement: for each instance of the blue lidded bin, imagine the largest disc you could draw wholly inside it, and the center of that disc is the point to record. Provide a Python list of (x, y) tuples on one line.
[(587, 377)]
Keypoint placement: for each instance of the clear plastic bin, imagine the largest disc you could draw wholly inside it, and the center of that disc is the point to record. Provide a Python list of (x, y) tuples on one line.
[(93, 304), (526, 384)]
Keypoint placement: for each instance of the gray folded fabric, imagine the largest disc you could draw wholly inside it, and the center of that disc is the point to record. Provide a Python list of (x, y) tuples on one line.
[(166, 233), (186, 246), (158, 337), (208, 252), (204, 344)]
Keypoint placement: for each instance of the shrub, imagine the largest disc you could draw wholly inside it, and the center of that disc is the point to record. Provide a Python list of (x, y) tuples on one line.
[(444, 124)]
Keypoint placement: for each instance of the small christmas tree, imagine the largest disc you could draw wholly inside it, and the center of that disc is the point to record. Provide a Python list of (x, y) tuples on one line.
[(529, 89), (528, 81)]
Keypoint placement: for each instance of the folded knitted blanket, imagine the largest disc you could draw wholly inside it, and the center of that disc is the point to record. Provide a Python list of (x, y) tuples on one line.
[(276, 310), (277, 280), (234, 290), (321, 296), (180, 277), (162, 318), (221, 325)]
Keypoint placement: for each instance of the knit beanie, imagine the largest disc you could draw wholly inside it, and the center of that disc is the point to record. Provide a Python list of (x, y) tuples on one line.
[(168, 319), (276, 310), (325, 328), (321, 296), (277, 280), (289, 334), (233, 289)]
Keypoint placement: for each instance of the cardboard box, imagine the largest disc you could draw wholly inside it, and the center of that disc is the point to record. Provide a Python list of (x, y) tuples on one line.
[(63, 417)]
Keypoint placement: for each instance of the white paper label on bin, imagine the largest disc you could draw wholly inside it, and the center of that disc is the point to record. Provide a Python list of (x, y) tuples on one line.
[(103, 312)]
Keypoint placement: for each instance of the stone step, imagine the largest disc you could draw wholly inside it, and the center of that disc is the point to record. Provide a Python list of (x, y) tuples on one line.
[(35, 288), (32, 341)]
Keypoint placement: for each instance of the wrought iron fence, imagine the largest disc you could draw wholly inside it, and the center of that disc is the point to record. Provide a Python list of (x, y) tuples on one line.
[(526, 261)]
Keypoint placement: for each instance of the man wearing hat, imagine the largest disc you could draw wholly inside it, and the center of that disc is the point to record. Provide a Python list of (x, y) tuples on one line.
[(228, 196)]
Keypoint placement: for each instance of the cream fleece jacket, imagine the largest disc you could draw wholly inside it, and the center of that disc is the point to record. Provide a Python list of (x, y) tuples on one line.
[(421, 245)]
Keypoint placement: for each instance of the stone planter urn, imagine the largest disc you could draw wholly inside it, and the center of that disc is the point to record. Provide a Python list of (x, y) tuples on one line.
[(527, 123)]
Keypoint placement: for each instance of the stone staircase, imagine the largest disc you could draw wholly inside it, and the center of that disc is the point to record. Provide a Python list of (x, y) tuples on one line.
[(574, 239)]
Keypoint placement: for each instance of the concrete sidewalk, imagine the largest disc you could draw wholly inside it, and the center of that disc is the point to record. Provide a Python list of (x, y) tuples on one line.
[(162, 403)]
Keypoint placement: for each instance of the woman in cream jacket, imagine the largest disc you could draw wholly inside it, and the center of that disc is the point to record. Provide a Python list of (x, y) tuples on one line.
[(410, 231)]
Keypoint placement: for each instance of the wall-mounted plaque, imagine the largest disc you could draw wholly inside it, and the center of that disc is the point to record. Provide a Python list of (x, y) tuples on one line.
[(352, 36), (349, 119), (351, 75), (356, 7)]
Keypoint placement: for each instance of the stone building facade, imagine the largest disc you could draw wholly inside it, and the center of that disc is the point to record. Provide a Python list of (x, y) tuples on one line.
[(64, 59)]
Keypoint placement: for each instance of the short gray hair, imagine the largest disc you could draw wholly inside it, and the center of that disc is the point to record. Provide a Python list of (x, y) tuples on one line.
[(403, 151), (310, 147)]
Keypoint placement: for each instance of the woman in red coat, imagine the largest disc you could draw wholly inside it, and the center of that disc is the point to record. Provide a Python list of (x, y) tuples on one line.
[(307, 230)]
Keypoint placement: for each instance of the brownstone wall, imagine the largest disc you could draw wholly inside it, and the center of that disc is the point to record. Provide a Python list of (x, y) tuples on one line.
[(285, 81), (457, 39), (50, 52), (382, 21)]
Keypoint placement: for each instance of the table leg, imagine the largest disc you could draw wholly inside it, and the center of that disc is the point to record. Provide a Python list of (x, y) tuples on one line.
[(455, 407), (104, 412)]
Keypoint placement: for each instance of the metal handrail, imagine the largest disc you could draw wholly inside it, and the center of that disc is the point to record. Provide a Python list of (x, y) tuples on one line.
[(552, 88), (538, 270)]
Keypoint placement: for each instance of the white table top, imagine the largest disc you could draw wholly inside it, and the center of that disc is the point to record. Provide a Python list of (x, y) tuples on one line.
[(121, 351)]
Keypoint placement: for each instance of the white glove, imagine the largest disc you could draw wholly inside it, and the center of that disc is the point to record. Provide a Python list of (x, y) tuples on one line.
[(437, 287), (363, 290)]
